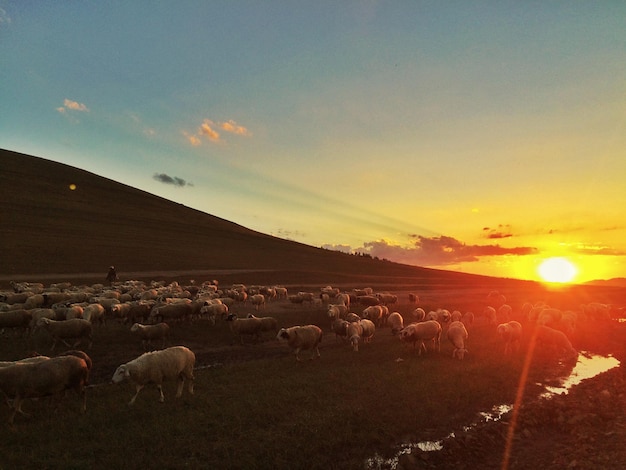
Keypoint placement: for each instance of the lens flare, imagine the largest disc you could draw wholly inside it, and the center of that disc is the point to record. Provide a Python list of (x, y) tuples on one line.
[(559, 270)]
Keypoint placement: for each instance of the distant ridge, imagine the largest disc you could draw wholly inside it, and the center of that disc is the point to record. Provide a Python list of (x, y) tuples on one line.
[(614, 282), (47, 228)]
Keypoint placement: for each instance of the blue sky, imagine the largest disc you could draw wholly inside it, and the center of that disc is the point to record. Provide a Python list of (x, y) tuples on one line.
[(474, 136)]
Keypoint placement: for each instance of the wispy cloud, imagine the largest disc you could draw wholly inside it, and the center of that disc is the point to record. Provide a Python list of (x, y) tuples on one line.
[(234, 128), (173, 180), (206, 130), (502, 231), (138, 122), (210, 130), (597, 249), (5, 19), (69, 105)]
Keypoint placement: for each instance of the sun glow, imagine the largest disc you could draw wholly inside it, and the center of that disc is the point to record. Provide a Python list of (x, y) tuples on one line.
[(558, 270)]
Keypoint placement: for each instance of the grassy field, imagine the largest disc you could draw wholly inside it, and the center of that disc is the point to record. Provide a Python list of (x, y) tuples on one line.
[(256, 407)]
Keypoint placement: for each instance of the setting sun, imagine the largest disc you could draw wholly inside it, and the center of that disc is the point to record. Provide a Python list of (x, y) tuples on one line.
[(559, 270)]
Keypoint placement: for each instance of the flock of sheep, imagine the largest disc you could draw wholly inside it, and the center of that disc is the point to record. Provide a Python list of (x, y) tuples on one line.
[(68, 315)]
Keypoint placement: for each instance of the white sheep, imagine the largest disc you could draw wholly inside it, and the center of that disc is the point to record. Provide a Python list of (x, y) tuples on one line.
[(18, 319), (344, 299), (468, 319), (373, 313), (245, 326), (456, 315), (34, 301), (556, 340), (174, 363), (369, 328), (76, 328), (340, 328), (336, 311), (457, 335), (258, 300), (38, 313), (43, 378), (267, 323), (418, 314), (26, 360), (354, 333), (147, 333), (352, 317), (94, 314), (301, 338), (368, 300), (490, 313), (417, 333), (212, 310), (505, 312), (178, 310), (510, 333), (396, 321)]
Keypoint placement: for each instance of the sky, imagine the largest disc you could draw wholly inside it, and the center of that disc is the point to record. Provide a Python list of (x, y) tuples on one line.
[(481, 137)]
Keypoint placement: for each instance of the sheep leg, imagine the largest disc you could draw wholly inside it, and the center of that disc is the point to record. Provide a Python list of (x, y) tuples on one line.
[(297, 354), (161, 397), (316, 353), (181, 384), (138, 389)]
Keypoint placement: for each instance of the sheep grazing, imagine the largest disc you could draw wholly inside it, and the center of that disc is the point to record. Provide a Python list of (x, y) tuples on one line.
[(212, 310), (344, 299), (417, 333), (413, 298), (94, 314), (368, 300), (505, 312), (147, 333), (336, 311), (354, 333), (180, 310), (76, 328), (457, 335), (490, 313), (418, 314), (245, 326), (258, 300), (18, 319), (510, 333), (267, 323), (300, 338), (373, 313), (363, 329), (396, 322), (369, 328), (468, 319), (556, 340), (26, 360), (340, 328), (43, 378), (155, 367)]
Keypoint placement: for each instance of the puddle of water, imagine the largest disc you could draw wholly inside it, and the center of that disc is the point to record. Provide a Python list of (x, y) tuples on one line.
[(587, 366)]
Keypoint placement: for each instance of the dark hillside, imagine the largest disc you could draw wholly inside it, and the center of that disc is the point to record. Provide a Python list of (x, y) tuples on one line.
[(48, 228)]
